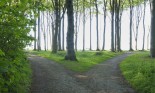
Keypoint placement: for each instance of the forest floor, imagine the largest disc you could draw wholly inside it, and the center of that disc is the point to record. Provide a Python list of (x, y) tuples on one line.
[(51, 77)]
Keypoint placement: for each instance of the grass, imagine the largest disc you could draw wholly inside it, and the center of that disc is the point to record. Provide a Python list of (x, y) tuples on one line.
[(139, 70), (86, 60)]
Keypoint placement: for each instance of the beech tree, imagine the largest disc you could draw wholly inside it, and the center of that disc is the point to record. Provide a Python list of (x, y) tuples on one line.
[(70, 32), (152, 51)]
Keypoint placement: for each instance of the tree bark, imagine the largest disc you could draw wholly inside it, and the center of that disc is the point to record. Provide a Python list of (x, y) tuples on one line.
[(84, 21), (152, 52), (104, 29), (70, 33), (112, 25), (97, 37), (144, 26), (39, 32), (55, 38), (90, 26), (131, 22)]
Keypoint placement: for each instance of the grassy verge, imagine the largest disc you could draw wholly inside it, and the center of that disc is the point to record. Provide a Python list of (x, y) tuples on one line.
[(139, 70), (86, 60)]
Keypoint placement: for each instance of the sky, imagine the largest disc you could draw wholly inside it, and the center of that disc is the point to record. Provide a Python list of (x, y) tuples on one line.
[(124, 27)]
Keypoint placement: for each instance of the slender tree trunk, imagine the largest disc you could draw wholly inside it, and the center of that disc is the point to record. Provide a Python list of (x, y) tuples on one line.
[(84, 21), (63, 33), (43, 29), (96, 5), (131, 14), (59, 34), (152, 52), (144, 26), (76, 23), (104, 29), (39, 32), (70, 33), (112, 26), (35, 35), (90, 26)]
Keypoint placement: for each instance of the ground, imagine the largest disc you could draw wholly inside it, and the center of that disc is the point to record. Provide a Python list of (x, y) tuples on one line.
[(51, 77)]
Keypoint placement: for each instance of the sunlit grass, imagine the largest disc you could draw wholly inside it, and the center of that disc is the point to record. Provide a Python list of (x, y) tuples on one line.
[(86, 60), (139, 70)]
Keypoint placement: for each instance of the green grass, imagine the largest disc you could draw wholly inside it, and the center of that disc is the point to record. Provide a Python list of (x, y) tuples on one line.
[(86, 60), (139, 70)]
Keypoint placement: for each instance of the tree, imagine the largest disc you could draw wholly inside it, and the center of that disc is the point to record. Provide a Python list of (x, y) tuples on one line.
[(96, 6), (131, 22), (55, 38), (84, 22), (90, 25), (105, 15), (112, 3), (70, 32), (144, 25), (152, 51)]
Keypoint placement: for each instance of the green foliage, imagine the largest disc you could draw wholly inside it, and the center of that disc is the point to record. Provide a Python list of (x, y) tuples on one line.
[(16, 21), (15, 74), (86, 60), (139, 70)]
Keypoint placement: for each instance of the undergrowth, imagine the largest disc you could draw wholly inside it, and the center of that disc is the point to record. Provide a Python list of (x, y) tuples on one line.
[(15, 73), (139, 70)]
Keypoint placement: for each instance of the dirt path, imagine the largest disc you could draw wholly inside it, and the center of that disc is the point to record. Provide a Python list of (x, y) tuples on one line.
[(50, 77)]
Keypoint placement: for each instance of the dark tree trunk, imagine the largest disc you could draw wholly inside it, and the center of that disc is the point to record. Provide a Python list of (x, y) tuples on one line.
[(39, 33), (63, 33), (112, 25), (131, 14), (152, 52), (117, 22), (70, 33), (55, 38), (35, 35)]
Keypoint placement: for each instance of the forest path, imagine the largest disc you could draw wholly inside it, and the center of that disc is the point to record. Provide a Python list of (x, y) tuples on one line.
[(50, 77)]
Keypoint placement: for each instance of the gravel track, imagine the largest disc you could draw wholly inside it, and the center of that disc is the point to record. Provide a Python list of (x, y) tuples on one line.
[(50, 77)]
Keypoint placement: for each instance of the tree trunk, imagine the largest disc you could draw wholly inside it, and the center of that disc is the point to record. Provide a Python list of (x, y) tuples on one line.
[(97, 25), (112, 26), (104, 29), (84, 21), (39, 32), (144, 26), (152, 52), (131, 14), (90, 26), (55, 46), (59, 34), (35, 35), (63, 33), (76, 23), (70, 33)]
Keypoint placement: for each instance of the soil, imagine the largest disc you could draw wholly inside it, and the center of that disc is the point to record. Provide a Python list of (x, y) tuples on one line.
[(51, 77)]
